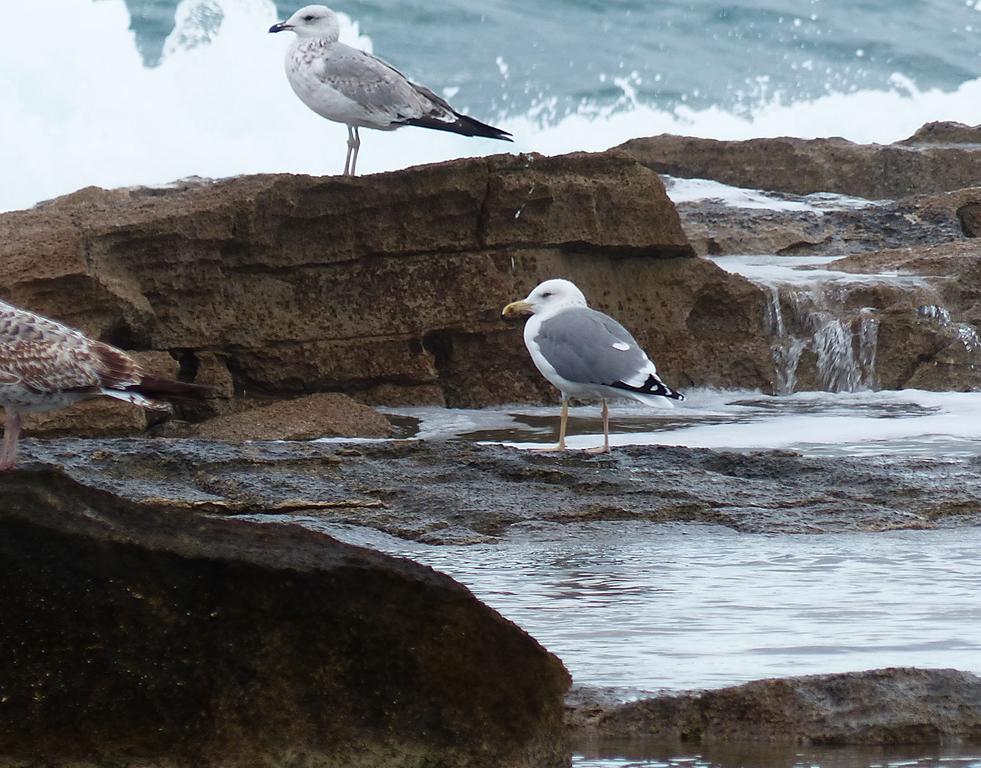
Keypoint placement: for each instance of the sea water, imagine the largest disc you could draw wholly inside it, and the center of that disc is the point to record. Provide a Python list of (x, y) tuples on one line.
[(117, 93)]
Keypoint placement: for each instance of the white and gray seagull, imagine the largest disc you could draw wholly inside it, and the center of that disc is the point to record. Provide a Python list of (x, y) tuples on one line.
[(349, 86), (586, 354)]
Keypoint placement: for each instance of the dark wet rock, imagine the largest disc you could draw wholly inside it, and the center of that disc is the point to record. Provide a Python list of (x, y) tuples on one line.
[(442, 492), (885, 706), (938, 159), (305, 418), (138, 632), (717, 229)]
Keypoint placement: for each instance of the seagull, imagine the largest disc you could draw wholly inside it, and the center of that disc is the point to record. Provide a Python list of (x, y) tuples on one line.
[(45, 365), (586, 354), (349, 86)]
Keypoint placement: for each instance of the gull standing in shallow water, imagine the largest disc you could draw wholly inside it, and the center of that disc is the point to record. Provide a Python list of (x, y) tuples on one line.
[(46, 365), (586, 354), (352, 87)]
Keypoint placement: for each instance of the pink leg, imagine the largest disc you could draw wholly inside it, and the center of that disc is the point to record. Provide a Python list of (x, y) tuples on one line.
[(11, 432)]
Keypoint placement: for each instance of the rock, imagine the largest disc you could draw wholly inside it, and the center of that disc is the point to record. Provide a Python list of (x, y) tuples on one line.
[(718, 229), (347, 284), (146, 634), (884, 706), (945, 133), (929, 338), (102, 417), (456, 492), (919, 165), (306, 418)]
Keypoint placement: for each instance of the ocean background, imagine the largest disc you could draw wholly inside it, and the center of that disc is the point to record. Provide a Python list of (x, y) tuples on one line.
[(125, 92)]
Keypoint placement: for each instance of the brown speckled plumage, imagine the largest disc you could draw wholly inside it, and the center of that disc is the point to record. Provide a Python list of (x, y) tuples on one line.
[(46, 365)]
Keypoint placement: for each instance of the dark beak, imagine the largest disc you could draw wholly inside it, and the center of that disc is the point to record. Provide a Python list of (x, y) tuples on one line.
[(281, 26)]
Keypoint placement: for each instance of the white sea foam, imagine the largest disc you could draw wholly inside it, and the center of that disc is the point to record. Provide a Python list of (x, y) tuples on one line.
[(79, 107), (696, 190), (771, 270), (908, 422)]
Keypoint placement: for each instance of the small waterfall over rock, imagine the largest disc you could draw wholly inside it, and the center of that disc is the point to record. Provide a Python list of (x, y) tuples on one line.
[(811, 325), (839, 331)]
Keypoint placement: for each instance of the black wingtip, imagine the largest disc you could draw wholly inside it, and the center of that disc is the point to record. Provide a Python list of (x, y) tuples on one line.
[(653, 386), (463, 125)]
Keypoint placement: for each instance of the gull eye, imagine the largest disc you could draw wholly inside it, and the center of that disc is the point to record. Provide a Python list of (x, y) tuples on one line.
[(309, 17), (546, 294)]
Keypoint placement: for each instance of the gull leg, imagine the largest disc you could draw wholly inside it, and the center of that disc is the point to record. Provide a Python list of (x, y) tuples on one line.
[(350, 149), (357, 148), (606, 431), (563, 422), (11, 432)]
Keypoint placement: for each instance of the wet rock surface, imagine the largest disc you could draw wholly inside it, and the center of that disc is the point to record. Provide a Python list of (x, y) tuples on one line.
[(877, 707), (139, 632), (452, 492), (718, 229)]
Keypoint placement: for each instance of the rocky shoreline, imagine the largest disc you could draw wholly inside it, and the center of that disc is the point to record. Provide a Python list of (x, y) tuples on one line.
[(151, 620), (443, 492)]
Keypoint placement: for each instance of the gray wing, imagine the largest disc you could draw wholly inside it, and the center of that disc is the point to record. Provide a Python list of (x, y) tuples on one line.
[(376, 85), (586, 346)]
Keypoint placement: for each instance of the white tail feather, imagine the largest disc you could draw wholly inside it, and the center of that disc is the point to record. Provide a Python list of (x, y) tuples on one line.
[(136, 399)]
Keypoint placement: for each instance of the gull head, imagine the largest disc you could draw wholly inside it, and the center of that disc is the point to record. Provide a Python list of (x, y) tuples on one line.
[(548, 298), (315, 21)]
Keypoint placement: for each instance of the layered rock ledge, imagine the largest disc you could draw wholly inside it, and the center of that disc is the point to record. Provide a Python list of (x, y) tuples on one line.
[(138, 634), (452, 492), (940, 157)]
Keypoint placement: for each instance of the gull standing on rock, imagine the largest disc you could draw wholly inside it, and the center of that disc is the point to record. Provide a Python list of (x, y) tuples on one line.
[(46, 365), (352, 87), (586, 354)]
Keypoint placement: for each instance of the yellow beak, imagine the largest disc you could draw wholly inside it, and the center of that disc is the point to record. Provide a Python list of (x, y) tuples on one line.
[(516, 309)]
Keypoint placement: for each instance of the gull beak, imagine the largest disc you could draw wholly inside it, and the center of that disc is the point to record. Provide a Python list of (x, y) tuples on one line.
[(516, 309), (281, 26)]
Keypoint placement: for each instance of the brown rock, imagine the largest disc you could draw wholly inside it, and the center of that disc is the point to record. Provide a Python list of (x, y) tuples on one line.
[(148, 634), (389, 285), (884, 706), (101, 417), (305, 418), (922, 164), (946, 133)]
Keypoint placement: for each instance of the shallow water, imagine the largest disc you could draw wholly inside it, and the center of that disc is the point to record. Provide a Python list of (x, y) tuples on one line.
[(636, 755), (936, 425), (645, 607)]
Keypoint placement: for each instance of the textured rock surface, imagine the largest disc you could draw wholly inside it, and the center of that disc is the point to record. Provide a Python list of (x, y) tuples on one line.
[(138, 634), (717, 229), (928, 338), (306, 418), (938, 158), (388, 286), (442, 492), (885, 706)]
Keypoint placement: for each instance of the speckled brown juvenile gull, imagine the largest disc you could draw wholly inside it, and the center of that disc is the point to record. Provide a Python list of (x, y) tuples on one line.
[(46, 365), (352, 87)]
